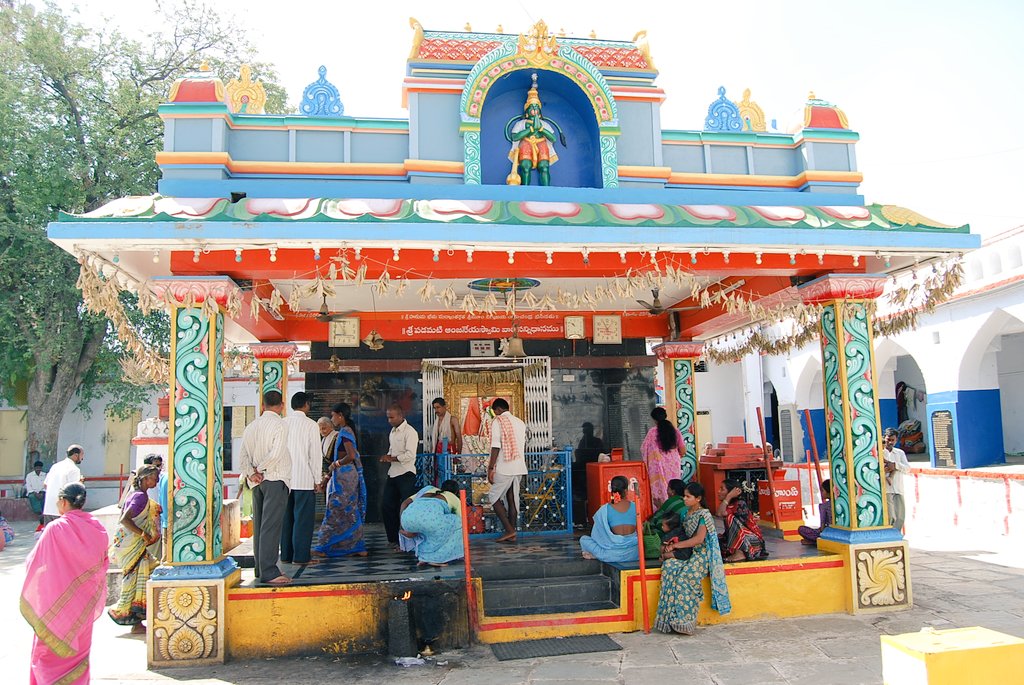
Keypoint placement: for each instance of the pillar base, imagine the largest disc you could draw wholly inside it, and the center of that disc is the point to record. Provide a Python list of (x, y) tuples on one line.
[(879, 573), (185, 613)]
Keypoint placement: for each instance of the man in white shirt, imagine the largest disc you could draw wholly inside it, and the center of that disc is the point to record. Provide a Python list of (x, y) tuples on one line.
[(63, 472), (307, 457), (401, 483), (35, 484), (265, 462), (445, 435), (507, 466), (896, 465)]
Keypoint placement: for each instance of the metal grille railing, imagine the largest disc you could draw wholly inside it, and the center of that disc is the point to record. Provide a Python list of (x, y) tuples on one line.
[(545, 494)]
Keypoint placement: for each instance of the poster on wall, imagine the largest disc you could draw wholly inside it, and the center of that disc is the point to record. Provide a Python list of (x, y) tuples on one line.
[(944, 447)]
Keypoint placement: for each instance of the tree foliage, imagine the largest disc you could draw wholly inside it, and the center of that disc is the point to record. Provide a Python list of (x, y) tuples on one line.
[(79, 127)]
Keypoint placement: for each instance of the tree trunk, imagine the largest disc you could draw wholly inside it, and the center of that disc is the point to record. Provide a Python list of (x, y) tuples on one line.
[(50, 390)]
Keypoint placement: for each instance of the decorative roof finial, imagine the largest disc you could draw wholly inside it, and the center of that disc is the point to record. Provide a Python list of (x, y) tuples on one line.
[(751, 114), (723, 115), (500, 29), (246, 96), (467, 28), (205, 66), (321, 98)]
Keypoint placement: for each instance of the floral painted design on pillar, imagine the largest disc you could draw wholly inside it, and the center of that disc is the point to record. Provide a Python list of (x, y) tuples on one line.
[(851, 403), (679, 359), (272, 359), (195, 469), (875, 553), (185, 596)]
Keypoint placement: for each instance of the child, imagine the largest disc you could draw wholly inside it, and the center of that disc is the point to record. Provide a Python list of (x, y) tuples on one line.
[(810, 535), (671, 533), (6, 531)]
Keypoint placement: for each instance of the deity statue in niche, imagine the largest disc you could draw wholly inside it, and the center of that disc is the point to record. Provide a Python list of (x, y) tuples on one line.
[(533, 142)]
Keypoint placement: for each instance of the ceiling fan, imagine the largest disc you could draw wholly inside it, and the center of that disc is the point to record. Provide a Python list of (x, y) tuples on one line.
[(655, 307), (325, 313)]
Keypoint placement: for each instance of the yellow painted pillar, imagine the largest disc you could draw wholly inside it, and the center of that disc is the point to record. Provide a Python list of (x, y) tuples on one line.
[(875, 552), (185, 596)]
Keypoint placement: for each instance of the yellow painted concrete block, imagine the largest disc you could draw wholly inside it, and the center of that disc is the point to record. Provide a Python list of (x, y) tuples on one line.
[(952, 657)]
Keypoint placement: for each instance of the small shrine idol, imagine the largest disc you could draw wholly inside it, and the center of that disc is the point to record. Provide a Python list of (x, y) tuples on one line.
[(533, 142)]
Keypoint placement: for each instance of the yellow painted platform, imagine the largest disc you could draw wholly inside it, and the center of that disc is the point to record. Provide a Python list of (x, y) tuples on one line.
[(952, 657), (783, 588)]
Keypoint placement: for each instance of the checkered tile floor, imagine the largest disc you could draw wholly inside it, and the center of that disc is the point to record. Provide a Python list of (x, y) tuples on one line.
[(383, 564)]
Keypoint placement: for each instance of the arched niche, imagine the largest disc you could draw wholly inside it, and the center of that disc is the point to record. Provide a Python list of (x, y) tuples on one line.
[(578, 165)]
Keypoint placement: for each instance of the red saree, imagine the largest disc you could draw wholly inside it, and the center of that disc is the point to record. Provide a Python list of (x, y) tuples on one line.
[(64, 593)]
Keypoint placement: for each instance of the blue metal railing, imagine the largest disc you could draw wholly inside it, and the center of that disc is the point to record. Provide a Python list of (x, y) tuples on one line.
[(545, 495)]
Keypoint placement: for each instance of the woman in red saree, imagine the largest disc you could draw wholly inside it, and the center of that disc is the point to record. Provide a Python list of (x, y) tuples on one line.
[(65, 591)]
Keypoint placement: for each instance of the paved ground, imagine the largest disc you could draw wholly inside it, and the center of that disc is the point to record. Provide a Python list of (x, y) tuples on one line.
[(951, 589)]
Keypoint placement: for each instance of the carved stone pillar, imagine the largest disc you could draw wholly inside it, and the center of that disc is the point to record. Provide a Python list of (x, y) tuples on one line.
[(876, 553), (678, 359), (185, 596), (272, 359)]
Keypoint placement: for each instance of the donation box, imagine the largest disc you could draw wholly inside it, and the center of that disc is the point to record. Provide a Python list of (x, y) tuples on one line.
[(599, 478), (787, 496)]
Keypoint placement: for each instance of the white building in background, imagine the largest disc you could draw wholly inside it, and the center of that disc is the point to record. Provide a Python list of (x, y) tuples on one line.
[(960, 374)]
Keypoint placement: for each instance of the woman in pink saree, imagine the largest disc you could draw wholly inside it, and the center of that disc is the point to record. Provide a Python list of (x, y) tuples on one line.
[(661, 452), (65, 591)]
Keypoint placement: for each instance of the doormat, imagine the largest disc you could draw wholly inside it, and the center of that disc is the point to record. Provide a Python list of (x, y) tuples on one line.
[(554, 646)]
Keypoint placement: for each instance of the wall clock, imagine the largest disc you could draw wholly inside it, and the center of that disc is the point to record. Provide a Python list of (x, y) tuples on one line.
[(344, 333), (608, 329), (574, 328)]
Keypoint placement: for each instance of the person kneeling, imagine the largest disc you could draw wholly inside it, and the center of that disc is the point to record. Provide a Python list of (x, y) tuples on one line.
[(613, 538), (432, 525)]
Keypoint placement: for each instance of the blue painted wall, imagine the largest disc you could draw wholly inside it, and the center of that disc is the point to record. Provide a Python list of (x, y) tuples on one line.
[(888, 415), (977, 423), (193, 135), (437, 125), (579, 165), (820, 437), (638, 140)]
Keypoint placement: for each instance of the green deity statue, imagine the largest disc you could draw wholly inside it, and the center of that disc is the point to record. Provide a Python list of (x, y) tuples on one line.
[(533, 142)]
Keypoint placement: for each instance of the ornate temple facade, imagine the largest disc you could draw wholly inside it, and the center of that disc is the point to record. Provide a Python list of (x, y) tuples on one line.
[(531, 202)]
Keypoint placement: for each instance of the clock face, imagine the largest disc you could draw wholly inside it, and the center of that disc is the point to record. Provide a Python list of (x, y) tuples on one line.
[(344, 333), (574, 329), (608, 330)]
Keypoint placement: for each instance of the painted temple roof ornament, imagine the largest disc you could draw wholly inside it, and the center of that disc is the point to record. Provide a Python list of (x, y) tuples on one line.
[(458, 46), (820, 113), (246, 96), (751, 114), (197, 86), (155, 208), (321, 98), (723, 115), (538, 46)]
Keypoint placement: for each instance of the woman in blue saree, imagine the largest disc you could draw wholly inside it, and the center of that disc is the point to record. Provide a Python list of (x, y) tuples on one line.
[(613, 537), (341, 533), (682, 581), (432, 525)]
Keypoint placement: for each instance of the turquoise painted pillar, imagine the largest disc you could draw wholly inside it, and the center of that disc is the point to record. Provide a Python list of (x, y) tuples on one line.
[(272, 359), (678, 359), (876, 553), (185, 596)]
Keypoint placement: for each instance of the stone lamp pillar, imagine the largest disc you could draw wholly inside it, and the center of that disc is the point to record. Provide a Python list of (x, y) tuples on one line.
[(678, 359), (185, 596), (875, 553)]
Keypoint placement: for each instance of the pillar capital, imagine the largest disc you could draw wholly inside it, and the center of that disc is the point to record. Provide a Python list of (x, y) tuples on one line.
[(195, 289), (276, 350), (842, 287), (678, 350)]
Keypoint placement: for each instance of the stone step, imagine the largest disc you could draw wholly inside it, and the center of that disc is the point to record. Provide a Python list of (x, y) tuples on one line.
[(574, 608), (554, 568), (531, 592)]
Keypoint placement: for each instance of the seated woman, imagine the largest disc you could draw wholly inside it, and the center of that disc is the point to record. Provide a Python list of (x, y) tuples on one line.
[(682, 581), (809, 536), (613, 538), (674, 503), (432, 524), (743, 540)]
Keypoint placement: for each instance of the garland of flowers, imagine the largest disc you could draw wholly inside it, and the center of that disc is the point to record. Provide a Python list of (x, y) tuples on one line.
[(799, 322)]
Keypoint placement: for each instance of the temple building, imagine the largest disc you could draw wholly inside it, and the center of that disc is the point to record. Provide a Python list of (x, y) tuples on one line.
[(531, 231)]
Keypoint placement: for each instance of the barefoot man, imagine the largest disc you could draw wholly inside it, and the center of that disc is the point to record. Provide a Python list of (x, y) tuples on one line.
[(507, 466)]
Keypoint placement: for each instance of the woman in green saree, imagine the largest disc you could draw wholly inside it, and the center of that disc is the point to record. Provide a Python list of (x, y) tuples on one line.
[(682, 581), (139, 528)]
